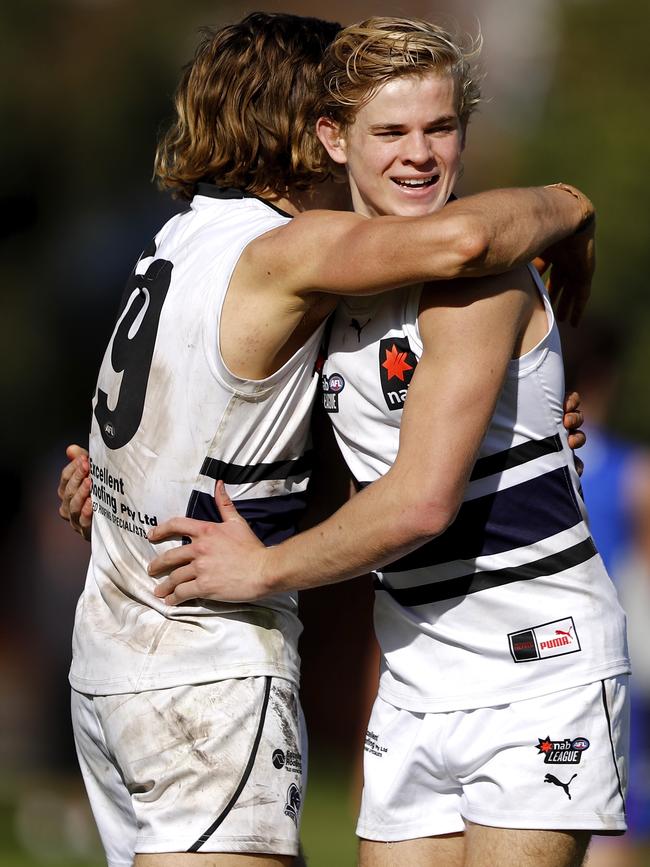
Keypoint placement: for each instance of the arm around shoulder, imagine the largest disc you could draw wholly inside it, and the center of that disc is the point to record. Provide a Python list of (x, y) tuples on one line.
[(345, 253)]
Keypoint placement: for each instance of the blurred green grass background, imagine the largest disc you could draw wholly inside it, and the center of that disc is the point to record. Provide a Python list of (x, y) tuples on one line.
[(55, 823), (47, 823)]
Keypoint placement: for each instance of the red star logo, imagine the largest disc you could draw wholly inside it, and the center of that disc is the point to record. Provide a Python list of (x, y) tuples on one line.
[(546, 745), (396, 363)]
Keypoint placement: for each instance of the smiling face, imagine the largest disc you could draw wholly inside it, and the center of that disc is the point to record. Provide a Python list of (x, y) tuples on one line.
[(402, 151)]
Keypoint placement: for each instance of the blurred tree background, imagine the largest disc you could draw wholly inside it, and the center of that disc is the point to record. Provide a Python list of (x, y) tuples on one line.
[(85, 87)]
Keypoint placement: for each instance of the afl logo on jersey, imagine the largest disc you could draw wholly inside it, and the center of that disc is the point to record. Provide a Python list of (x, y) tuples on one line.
[(331, 387), (397, 364)]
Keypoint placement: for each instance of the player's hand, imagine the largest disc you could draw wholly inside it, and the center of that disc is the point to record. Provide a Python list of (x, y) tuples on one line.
[(572, 263), (573, 421), (74, 491), (223, 562)]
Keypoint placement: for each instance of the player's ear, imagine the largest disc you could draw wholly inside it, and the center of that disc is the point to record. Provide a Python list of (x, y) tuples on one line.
[(331, 136)]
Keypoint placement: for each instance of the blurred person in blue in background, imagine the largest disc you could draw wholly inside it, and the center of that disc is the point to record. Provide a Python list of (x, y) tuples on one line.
[(616, 486)]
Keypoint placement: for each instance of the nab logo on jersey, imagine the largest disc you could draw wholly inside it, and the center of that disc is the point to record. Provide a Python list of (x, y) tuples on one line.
[(396, 366)]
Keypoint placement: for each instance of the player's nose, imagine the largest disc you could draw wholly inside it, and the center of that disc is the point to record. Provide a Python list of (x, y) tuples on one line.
[(416, 149)]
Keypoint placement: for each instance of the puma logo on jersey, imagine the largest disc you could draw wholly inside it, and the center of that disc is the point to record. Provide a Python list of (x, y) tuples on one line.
[(550, 778), (556, 638), (354, 323)]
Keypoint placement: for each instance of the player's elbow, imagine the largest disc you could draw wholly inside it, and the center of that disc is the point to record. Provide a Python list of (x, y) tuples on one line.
[(432, 516), (469, 246)]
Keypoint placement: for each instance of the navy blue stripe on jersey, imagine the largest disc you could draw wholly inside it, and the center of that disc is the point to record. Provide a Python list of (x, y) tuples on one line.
[(272, 519), (236, 474), (502, 521), (515, 456), (477, 581)]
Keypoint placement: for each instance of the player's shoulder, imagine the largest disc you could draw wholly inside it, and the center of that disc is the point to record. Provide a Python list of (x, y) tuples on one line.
[(313, 223), (285, 249), (511, 289)]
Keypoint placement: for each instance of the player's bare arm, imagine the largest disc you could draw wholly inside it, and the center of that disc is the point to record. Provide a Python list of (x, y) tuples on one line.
[(491, 232), (477, 327), (285, 281), (568, 259)]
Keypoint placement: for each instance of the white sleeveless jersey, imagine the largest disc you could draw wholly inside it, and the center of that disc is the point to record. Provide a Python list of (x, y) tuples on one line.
[(513, 600), (169, 419)]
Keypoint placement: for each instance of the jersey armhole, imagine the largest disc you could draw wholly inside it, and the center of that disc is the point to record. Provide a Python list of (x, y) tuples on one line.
[(219, 279)]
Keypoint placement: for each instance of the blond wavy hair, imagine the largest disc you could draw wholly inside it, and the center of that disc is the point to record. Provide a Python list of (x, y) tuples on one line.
[(365, 56), (246, 108)]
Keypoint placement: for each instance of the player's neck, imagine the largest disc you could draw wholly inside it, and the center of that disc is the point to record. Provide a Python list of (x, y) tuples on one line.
[(328, 195), (285, 203)]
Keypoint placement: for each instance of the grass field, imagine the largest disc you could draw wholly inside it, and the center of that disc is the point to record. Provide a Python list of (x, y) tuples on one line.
[(46, 823)]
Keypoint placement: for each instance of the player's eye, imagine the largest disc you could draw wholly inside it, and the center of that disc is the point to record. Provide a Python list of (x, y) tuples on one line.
[(445, 129)]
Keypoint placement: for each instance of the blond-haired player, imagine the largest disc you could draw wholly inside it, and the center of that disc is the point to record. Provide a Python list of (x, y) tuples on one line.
[(498, 735), (187, 721)]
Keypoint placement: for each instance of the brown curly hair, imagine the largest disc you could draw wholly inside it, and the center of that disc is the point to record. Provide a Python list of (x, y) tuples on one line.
[(246, 108)]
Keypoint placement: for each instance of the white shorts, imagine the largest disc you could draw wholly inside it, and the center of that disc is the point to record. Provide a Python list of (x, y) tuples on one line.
[(556, 762), (216, 767)]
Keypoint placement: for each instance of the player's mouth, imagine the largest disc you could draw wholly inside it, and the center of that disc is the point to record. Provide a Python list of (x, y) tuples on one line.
[(416, 184)]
